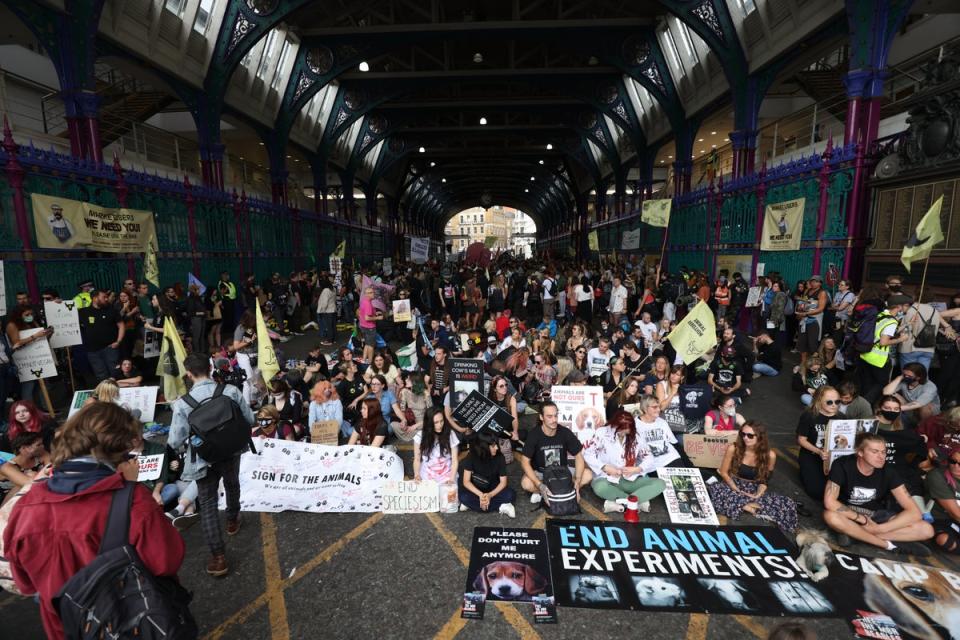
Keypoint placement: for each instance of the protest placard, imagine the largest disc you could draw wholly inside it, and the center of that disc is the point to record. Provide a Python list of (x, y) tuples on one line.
[(707, 451), (324, 432), (686, 496), (388, 266), (659, 567), (410, 496), (580, 409), (479, 413), (630, 240), (150, 467), (63, 319), (142, 399), (466, 376), (401, 311), (34, 361), (296, 476), (840, 437), (419, 249), (151, 344), (508, 564), (753, 297)]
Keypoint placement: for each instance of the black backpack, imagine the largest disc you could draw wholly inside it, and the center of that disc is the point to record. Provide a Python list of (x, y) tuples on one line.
[(115, 596), (551, 287), (561, 494), (927, 337), (219, 425)]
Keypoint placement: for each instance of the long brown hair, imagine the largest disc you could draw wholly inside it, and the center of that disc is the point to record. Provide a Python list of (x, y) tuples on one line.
[(367, 427), (104, 430), (761, 449), (623, 421)]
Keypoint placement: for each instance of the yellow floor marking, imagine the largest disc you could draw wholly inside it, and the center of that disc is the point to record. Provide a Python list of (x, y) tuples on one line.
[(697, 626), (517, 620), (748, 623), (592, 510), (540, 522), (453, 626), (458, 549), (276, 603), (787, 458)]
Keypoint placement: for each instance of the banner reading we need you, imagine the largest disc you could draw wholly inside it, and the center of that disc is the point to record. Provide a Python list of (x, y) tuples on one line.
[(61, 223)]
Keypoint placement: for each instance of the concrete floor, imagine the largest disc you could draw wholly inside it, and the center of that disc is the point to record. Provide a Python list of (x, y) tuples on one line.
[(298, 575)]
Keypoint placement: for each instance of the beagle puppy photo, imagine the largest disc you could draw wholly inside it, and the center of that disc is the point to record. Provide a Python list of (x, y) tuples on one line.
[(589, 419), (924, 609), (509, 581)]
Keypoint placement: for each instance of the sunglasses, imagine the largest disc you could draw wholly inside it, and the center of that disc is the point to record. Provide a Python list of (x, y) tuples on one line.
[(953, 463), (747, 436), (501, 386), (909, 379), (830, 403), (263, 422)]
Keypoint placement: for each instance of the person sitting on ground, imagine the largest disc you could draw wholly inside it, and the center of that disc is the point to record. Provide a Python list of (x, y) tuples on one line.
[(435, 449), (413, 402), (25, 416), (943, 487), (831, 360), (382, 365), (29, 458), (501, 396), (668, 395), (918, 395), (658, 372), (371, 429), (325, 404), (628, 393), (387, 399), (56, 528), (811, 436), (856, 497), (170, 487), (812, 377), (852, 405), (905, 447), (127, 375), (723, 417), (269, 425), (940, 433), (351, 390), (769, 355), (106, 391), (745, 472), (725, 374), (483, 479), (551, 444), (598, 358), (289, 404), (614, 455), (316, 366)]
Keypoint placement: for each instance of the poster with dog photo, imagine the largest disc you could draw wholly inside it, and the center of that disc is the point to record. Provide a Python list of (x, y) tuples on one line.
[(580, 409), (508, 565), (841, 436), (466, 375), (686, 496)]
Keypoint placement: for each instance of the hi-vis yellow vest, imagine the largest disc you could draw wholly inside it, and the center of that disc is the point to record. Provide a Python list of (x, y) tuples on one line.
[(878, 355), (82, 300)]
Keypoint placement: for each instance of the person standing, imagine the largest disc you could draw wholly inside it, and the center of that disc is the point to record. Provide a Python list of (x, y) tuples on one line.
[(208, 475), (103, 331), (618, 301), (326, 311), (810, 318), (229, 309), (368, 324), (550, 293), (873, 370)]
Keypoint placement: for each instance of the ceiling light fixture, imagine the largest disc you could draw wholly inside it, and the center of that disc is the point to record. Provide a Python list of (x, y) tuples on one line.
[(541, 162), (478, 57), (443, 180), (364, 67), (532, 178), (483, 121), (726, 139), (700, 140), (713, 133), (549, 146), (713, 146), (526, 190), (422, 150), (671, 157), (260, 143), (433, 164)]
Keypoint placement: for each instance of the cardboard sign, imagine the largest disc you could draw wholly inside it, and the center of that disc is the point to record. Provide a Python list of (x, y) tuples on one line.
[(840, 437), (150, 467), (707, 451), (419, 250), (580, 409), (151, 344), (510, 565), (466, 376), (753, 297), (686, 496), (481, 413), (34, 361), (63, 319), (401, 311), (410, 496), (325, 432)]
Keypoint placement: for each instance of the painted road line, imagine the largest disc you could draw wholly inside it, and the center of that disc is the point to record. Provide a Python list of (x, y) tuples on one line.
[(453, 626), (276, 603), (787, 458), (752, 626), (517, 620), (697, 626), (448, 536)]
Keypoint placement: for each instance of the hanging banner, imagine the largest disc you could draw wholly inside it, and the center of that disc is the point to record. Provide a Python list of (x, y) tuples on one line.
[(580, 409), (509, 564), (686, 569), (297, 476), (401, 311), (466, 376), (686, 496), (841, 436), (593, 241), (151, 344), (410, 496), (630, 240), (656, 213), (707, 451), (34, 361), (61, 223), (419, 249), (783, 226), (63, 319), (3, 291)]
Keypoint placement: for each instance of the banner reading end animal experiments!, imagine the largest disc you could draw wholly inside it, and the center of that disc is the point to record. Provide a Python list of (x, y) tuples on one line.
[(61, 223), (509, 565), (738, 570), (297, 476)]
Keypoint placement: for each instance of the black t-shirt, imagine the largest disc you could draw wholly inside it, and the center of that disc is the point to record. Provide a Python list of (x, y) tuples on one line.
[(118, 374), (544, 451), (320, 360), (349, 390), (901, 444), (770, 354), (439, 381), (857, 490), (486, 474), (99, 327), (813, 428), (381, 430), (609, 384), (725, 374)]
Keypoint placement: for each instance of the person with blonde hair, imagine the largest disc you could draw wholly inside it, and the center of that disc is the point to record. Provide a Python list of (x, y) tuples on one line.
[(107, 391), (269, 425)]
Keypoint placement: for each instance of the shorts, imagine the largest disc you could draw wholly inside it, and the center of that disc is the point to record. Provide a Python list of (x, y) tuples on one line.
[(369, 336), (808, 340)]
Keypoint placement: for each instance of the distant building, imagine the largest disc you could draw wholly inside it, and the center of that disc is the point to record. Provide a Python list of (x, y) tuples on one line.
[(478, 224)]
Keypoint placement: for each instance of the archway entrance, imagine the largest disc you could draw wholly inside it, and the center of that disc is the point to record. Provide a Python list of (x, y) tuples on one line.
[(500, 228)]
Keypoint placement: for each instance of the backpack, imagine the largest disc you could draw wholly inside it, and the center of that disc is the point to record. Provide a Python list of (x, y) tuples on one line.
[(495, 294), (115, 596), (551, 288), (927, 338), (561, 497), (220, 427), (861, 328), (788, 307)]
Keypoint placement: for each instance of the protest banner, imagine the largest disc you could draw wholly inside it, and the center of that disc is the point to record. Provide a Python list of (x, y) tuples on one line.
[(382, 293), (630, 240), (401, 311), (151, 344), (707, 451), (3, 291), (410, 496), (419, 249), (686, 569), (753, 297), (888, 599), (656, 213), (34, 361), (593, 241), (508, 564), (686, 496), (388, 266), (466, 376), (79, 398), (62, 317), (142, 399), (150, 467), (296, 476), (324, 432), (657, 444), (61, 223), (477, 412), (696, 334), (840, 437), (783, 226), (580, 409)]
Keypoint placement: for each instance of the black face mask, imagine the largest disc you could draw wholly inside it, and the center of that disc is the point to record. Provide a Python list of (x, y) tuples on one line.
[(894, 287), (890, 415)]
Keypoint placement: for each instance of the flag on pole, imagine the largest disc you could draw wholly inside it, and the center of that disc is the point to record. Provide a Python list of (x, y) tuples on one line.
[(927, 234), (656, 213), (266, 356), (593, 241), (151, 268), (696, 334), (194, 280), (170, 366), (341, 250)]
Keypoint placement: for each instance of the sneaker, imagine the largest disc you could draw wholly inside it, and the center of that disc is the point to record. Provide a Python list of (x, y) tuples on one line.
[(311, 325), (535, 498), (187, 520), (612, 506), (508, 510), (464, 507), (644, 506), (843, 540), (911, 548)]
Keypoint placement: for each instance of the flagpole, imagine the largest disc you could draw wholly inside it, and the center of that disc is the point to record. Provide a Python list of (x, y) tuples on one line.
[(923, 280)]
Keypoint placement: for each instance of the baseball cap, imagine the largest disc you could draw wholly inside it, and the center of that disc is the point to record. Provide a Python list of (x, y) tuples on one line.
[(492, 340)]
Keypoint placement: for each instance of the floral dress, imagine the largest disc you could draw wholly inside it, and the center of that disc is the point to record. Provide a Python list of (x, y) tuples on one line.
[(775, 508)]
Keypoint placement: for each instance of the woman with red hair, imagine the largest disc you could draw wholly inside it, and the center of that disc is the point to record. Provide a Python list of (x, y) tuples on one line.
[(26, 416), (371, 430), (615, 454)]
